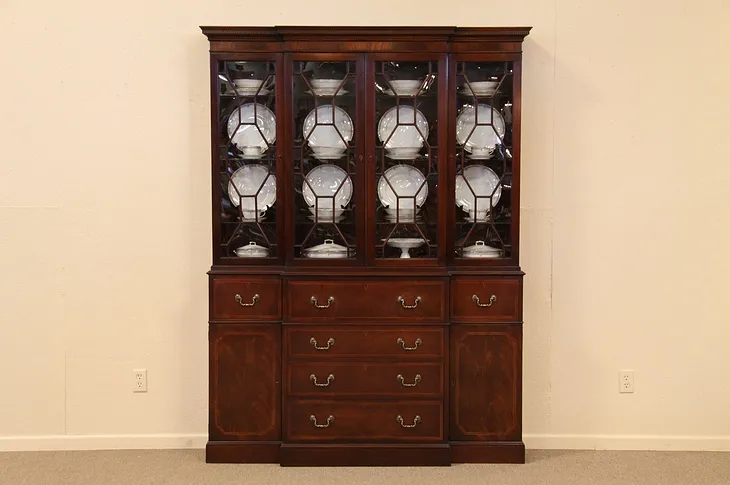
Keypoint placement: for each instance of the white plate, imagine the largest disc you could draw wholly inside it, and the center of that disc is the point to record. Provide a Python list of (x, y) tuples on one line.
[(483, 138), (326, 83), (327, 92), (409, 128), (402, 153), (478, 92), (248, 179), (407, 181), (326, 214), (322, 133), (328, 153), (483, 182), (329, 183), (246, 136), (250, 92)]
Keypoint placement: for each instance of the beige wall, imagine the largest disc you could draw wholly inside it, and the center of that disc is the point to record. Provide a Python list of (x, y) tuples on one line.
[(104, 215)]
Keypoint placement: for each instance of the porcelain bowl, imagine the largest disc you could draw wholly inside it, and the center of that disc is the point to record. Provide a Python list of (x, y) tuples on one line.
[(406, 87)]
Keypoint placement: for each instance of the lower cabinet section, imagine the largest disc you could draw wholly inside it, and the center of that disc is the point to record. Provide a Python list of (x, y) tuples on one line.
[(245, 382), (365, 395), (486, 380), (322, 420)]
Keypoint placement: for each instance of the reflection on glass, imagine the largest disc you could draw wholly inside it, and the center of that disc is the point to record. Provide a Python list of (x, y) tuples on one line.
[(483, 160), (324, 159), (247, 158), (406, 159)]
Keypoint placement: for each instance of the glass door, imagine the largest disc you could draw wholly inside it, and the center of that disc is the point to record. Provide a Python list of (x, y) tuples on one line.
[(245, 155), (485, 161), (326, 158), (407, 145)]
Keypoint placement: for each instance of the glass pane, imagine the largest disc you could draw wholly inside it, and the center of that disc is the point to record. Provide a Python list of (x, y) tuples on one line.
[(406, 159), (324, 161), (247, 155), (483, 160)]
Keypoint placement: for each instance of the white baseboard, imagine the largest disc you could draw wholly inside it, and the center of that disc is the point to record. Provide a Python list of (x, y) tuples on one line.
[(198, 441), (103, 442), (626, 442)]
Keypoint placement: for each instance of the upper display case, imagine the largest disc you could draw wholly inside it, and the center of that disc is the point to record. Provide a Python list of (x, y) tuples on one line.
[(323, 157)]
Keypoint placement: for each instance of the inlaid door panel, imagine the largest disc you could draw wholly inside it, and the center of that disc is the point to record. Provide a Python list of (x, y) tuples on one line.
[(245, 376), (486, 372)]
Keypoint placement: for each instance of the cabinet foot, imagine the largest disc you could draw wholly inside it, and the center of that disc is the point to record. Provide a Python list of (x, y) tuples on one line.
[(365, 455), (242, 451), (487, 452)]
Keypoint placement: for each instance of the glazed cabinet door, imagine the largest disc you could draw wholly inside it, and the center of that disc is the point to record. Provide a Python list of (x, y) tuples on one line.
[(245, 377), (325, 158), (247, 134), (406, 129), (486, 373), (484, 175)]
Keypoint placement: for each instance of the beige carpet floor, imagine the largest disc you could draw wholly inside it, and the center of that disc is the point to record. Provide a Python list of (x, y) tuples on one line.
[(187, 467)]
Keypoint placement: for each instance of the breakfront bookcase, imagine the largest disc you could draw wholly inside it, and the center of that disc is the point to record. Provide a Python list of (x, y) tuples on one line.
[(365, 291)]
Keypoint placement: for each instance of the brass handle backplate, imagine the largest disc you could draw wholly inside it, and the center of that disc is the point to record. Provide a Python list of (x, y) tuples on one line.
[(416, 380), (491, 301), (402, 343), (330, 420), (313, 301), (402, 302), (330, 343), (416, 420), (239, 299), (313, 378)]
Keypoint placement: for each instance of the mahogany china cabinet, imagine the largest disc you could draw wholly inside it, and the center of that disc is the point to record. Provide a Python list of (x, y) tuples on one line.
[(365, 290)]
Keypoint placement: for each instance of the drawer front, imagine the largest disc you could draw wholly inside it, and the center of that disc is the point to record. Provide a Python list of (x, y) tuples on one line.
[(344, 342), (366, 301), (493, 299), (405, 379), (342, 420), (245, 299)]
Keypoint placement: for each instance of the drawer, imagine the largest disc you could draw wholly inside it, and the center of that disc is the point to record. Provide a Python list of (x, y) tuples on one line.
[(344, 342), (401, 379), (366, 300), (245, 299), (342, 420), (492, 299)]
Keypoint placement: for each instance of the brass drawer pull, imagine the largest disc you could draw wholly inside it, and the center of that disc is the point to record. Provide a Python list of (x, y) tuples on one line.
[(416, 380), (330, 343), (416, 420), (492, 299), (330, 420), (239, 299), (313, 378), (330, 300), (402, 343), (402, 302)]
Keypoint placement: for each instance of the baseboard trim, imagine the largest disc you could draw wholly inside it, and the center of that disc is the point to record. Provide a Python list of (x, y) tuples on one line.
[(103, 442), (532, 442), (626, 442)]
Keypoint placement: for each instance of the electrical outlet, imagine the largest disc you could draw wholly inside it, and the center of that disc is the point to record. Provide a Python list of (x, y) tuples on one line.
[(625, 381), (140, 380)]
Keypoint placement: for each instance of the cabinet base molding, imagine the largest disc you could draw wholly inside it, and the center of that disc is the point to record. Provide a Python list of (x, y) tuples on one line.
[(242, 451), (365, 455), (488, 452)]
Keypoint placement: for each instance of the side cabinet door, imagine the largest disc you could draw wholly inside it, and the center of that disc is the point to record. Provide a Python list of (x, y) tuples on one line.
[(486, 373), (245, 376)]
